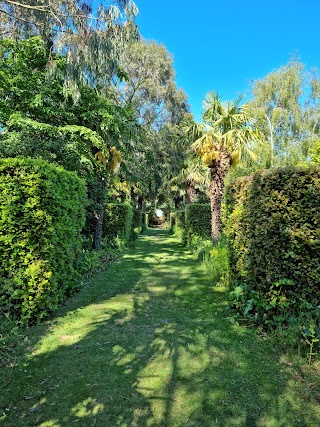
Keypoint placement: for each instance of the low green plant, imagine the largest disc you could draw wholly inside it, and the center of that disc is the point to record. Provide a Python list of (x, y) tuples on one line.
[(311, 335), (217, 263)]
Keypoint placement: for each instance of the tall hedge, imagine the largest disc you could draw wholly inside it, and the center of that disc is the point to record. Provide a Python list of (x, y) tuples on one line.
[(181, 218), (137, 219), (198, 220), (272, 221), (42, 213), (117, 222)]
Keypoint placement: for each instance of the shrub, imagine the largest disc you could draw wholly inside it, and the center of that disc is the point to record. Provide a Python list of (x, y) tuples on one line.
[(137, 219), (42, 211), (272, 223), (117, 222), (136, 226), (180, 226), (198, 221), (145, 220), (172, 221)]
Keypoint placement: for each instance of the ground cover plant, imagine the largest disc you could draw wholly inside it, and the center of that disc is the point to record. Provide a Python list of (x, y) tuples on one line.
[(149, 343)]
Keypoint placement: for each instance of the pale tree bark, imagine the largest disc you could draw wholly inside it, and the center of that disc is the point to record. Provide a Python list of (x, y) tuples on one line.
[(218, 171)]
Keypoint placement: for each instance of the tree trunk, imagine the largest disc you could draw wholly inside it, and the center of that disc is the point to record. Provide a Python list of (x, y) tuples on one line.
[(190, 191), (177, 202), (218, 171), (98, 217)]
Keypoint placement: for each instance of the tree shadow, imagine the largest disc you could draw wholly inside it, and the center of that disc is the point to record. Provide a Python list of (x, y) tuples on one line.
[(158, 351)]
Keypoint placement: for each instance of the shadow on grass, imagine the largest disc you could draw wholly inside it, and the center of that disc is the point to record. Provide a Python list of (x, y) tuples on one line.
[(148, 344)]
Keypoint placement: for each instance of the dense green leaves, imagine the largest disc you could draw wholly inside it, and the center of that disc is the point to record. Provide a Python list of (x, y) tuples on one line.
[(273, 225), (198, 220), (117, 222), (42, 210)]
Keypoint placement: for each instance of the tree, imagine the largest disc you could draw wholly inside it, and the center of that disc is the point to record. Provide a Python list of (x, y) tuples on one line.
[(149, 85), (277, 106), (90, 35), (192, 177), (224, 137), (37, 120)]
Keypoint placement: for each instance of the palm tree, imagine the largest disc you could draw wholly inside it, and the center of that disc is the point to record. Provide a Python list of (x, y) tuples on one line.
[(193, 175), (224, 137)]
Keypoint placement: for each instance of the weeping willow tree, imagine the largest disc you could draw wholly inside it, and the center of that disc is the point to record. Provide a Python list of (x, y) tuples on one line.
[(90, 35)]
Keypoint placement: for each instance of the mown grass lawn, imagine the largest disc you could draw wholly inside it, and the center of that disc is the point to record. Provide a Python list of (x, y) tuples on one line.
[(149, 343)]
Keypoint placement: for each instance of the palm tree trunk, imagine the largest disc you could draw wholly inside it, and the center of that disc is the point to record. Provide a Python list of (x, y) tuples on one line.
[(190, 191), (218, 171)]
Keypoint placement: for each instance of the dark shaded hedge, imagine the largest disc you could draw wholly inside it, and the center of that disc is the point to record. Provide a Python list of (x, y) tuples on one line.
[(136, 226), (145, 221), (172, 221), (198, 220), (181, 218), (117, 222), (272, 221), (42, 213), (137, 219)]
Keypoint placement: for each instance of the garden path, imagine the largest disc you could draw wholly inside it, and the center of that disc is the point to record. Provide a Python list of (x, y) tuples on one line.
[(148, 343)]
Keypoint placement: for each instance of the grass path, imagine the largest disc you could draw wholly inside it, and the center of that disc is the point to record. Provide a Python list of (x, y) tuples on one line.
[(148, 343)]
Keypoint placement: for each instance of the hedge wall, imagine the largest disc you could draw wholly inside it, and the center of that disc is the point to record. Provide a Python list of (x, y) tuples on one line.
[(117, 222), (136, 226), (42, 212), (172, 221), (273, 228), (198, 220), (181, 218), (137, 219)]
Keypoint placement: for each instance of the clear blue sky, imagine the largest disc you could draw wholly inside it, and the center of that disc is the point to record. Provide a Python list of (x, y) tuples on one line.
[(223, 45)]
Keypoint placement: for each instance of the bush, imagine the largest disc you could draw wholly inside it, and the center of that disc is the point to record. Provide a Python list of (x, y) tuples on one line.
[(145, 220), (136, 226), (117, 223), (198, 221), (42, 212), (172, 221), (137, 220), (180, 226), (272, 223)]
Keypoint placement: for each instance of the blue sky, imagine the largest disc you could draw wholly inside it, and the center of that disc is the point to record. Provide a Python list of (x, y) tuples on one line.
[(223, 45)]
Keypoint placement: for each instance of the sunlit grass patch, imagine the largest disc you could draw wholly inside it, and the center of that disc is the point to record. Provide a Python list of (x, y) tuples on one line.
[(143, 346)]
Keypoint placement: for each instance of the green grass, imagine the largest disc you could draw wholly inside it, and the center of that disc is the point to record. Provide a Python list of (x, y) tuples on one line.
[(148, 343)]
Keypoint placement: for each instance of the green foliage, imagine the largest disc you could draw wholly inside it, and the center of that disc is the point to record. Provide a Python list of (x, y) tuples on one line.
[(180, 225), (117, 223), (145, 220), (41, 218), (198, 221), (137, 219), (272, 224), (172, 221), (136, 226), (181, 218)]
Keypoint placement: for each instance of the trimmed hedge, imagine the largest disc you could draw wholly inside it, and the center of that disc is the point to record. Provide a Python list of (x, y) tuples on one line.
[(172, 221), (42, 213), (198, 220), (145, 220), (136, 226), (272, 221), (117, 222), (181, 218), (137, 219)]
